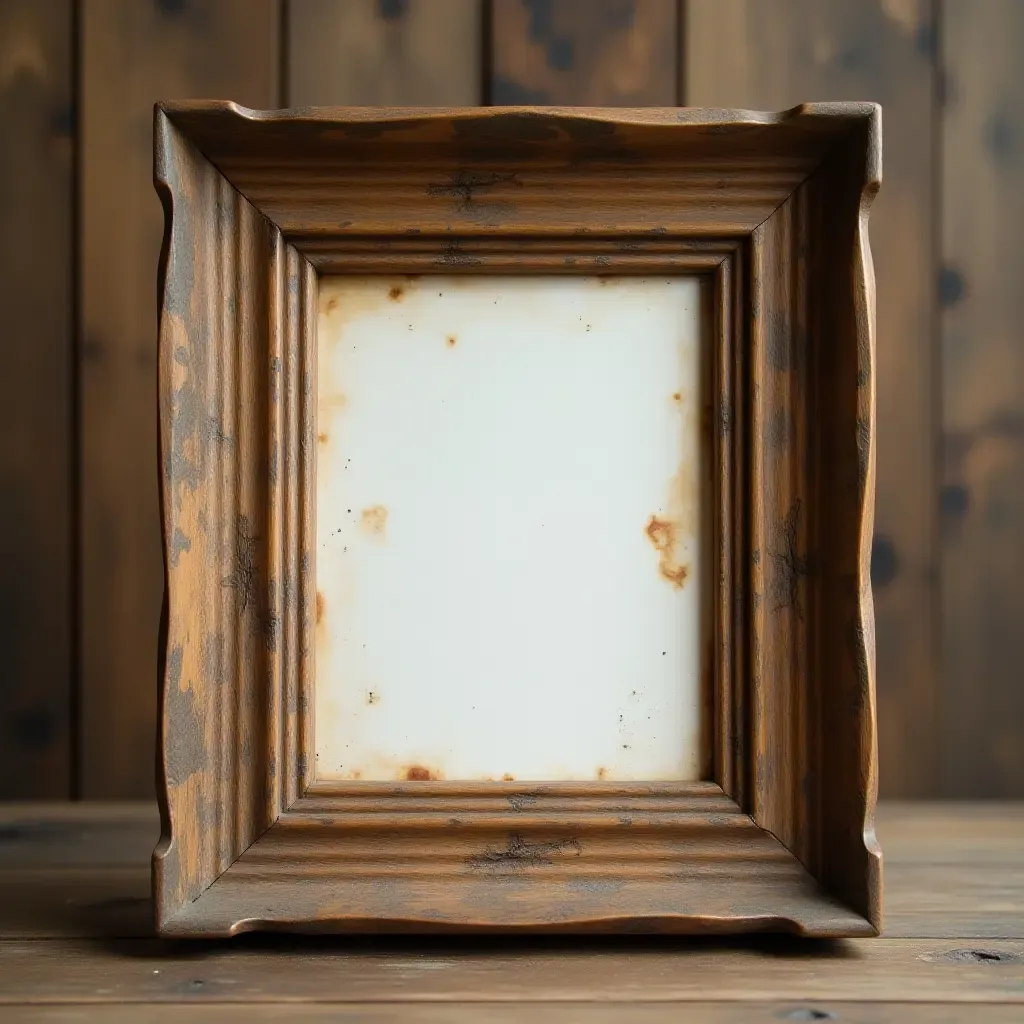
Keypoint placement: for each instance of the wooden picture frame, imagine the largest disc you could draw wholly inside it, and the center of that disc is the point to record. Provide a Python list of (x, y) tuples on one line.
[(772, 210)]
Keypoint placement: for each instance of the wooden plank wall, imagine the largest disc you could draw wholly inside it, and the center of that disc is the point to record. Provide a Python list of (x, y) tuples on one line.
[(80, 573), (981, 500), (131, 54), (36, 338)]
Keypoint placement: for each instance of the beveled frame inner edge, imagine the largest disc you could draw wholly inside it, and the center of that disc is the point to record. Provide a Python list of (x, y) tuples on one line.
[(725, 741)]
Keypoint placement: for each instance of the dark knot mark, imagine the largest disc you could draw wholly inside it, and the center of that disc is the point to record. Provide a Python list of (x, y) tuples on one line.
[(452, 256), (520, 801), (465, 186), (521, 854), (790, 565), (244, 578), (972, 956)]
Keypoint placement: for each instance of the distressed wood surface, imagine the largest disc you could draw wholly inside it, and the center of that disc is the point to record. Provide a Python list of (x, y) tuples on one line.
[(133, 53), (953, 871), (812, 499), (757, 53), (451, 186), (567, 858), (37, 139), (383, 52), (601, 53), (235, 463), (483, 175), (982, 495)]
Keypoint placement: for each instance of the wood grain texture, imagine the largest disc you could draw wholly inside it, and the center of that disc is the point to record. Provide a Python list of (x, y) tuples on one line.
[(318, 969), (982, 495), (481, 174), (812, 504), (973, 901), (557, 858), (784, 511), (507, 191), (235, 444), (772, 53), (133, 53), (37, 133), (80, 870), (601, 53), (80, 835), (540, 1013), (381, 53), (952, 833)]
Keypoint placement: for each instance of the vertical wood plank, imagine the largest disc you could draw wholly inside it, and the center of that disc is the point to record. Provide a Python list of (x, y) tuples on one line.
[(134, 52), (36, 295), (384, 52), (982, 309), (614, 53), (772, 54)]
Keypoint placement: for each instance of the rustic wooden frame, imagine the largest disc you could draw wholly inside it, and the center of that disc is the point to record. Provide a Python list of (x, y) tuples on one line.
[(773, 208)]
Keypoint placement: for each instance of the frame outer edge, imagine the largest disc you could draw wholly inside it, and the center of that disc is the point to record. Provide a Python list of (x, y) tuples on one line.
[(865, 307), (215, 771), (166, 856), (180, 173)]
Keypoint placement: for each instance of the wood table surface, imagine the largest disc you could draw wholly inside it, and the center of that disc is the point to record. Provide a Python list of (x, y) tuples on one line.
[(76, 945)]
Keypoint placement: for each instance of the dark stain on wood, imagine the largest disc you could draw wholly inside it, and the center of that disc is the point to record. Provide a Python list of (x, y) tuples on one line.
[(857, 641), (951, 287), (520, 854), (392, 10), (184, 747), (506, 92), (520, 801), (779, 428), (212, 658), (171, 8), (954, 501), (560, 54), (884, 561), (725, 417), (466, 186), (783, 350), (863, 452), (179, 543), (244, 578), (244, 575), (1000, 134), (972, 956), (452, 255), (790, 566)]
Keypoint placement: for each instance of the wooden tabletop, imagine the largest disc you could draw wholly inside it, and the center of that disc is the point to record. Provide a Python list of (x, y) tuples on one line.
[(76, 945)]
